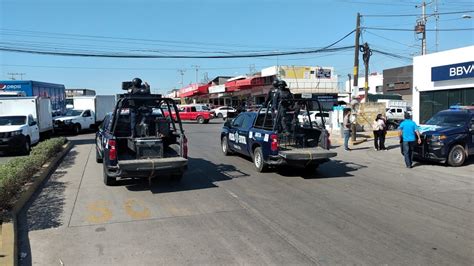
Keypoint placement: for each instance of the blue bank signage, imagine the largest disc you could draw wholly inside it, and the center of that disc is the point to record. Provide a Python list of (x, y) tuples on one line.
[(455, 71)]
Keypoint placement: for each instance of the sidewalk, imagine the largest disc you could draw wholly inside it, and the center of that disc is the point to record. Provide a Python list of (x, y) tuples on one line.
[(363, 136)]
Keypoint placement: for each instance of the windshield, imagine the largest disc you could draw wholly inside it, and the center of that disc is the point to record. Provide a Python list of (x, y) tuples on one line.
[(205, 108), (12, 120), (72, 112), (449, 119)]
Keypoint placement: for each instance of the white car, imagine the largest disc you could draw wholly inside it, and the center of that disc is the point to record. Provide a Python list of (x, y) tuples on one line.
[(222, 111), (315, 117)]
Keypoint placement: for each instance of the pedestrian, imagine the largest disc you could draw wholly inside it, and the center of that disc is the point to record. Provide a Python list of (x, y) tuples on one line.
[(408, 136), (384, 133), (346, 126), (378, 128)]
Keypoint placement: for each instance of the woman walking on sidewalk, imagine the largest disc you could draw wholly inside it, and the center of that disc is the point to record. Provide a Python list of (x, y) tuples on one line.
[(379, 133)]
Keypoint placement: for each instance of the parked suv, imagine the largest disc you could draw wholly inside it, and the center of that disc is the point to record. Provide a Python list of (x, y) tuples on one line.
[(195, 112), (141, 140), (448, 137)]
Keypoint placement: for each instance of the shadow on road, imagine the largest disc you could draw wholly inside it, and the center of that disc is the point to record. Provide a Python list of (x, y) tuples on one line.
[(331, 169), (202, 175), (44, 210), (82, 141)]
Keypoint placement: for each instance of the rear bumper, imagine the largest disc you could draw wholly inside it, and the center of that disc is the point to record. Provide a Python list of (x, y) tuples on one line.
[(148, 167), (301, 157)]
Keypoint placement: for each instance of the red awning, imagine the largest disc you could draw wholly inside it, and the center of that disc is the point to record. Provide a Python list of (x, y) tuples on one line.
[(188, 91), (243, 84)]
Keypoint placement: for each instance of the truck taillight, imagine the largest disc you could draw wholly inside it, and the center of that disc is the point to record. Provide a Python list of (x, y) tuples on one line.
[(185, 147), (274, 142), (112, 150)]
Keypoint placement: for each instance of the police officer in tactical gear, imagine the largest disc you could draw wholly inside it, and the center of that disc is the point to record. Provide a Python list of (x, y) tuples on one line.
[(280, 95), (138, 87)]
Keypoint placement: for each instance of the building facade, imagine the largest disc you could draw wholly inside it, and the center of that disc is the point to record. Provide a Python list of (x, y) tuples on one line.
[(399, 81), (441, 80), (375, 85)]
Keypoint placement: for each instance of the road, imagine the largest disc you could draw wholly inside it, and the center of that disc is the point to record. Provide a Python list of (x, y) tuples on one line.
[(364, 207)]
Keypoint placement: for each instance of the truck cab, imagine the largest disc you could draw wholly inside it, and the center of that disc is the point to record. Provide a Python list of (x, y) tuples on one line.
[(75, 121), (18, 133), (447, 137)]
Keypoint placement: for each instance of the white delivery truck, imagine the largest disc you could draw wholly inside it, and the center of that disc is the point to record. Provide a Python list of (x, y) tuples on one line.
[(87, 112), (395, 112), (22, 120)]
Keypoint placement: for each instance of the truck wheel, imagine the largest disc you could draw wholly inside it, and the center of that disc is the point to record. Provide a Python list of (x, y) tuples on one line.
[(456, 156), (200, 119), (391, 127), (108, 180), (225, 146), (220, 115), (76, 129), (25, 150), (258, 160), (98, 157)]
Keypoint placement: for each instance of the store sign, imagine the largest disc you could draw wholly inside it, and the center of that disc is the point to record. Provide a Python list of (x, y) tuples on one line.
[(217, 88), (455, 71)]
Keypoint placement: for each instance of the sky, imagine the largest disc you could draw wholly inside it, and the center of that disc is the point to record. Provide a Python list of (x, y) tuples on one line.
[(211, 27)]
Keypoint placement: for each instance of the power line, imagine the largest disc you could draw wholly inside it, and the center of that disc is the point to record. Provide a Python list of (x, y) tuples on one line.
[(396, 29), (417, 15)]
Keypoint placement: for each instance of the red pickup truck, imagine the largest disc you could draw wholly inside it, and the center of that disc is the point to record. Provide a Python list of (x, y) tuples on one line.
[(195, 112)]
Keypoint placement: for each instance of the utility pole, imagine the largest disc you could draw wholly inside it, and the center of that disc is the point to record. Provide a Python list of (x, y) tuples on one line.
[(421, 27), (196, 67), (437, 24), (356, 53), (181, 72), (350, 89), (366, 57), (13, 75), (356, 69)]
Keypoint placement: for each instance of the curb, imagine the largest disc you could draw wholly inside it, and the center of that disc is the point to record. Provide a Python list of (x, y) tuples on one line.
[(8, 248)]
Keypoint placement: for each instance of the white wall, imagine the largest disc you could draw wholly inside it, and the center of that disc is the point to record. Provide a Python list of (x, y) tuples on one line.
[(374, 81), (422, 73)]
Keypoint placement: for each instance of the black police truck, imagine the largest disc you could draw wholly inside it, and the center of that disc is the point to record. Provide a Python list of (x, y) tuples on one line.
[(447, 137)]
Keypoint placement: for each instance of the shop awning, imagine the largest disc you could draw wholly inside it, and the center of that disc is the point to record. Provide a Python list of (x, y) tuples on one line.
[(193, 90)]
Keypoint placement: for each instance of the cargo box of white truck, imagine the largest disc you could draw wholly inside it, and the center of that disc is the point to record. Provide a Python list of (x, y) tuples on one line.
[(39, 108), (100, 105)]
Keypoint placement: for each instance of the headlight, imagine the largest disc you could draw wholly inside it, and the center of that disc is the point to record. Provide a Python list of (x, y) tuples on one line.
[(67, 121), (16, 133), (438, 138)]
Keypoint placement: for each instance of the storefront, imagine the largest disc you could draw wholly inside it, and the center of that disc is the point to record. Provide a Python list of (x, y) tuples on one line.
[(441, 80)]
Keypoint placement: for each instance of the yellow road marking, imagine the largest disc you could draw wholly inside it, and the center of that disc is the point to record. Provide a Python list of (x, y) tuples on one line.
[(136, 210), (101, 213)]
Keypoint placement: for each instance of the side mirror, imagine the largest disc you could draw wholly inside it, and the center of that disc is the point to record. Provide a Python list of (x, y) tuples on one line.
[(33, 123)]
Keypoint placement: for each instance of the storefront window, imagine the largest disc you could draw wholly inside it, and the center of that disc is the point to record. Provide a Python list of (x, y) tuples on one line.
[(432, 102)]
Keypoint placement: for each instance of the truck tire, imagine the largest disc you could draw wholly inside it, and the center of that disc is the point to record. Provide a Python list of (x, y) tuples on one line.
[(26, 148), (200, 119), (98, 157), (220, 115), (457, 155), (108, 180), (76, 129), (225, 146), (258, 160), (391, 126)]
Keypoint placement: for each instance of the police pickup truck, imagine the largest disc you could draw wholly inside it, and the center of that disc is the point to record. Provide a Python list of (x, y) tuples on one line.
[(138, 140), (447, 137), (259, 135)]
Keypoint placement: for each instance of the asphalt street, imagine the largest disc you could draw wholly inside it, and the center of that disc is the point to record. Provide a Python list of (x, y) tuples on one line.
[(364, 207)]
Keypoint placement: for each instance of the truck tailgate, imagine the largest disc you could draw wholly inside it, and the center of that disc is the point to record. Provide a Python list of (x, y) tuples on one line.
[(307, 154), (154, 164)]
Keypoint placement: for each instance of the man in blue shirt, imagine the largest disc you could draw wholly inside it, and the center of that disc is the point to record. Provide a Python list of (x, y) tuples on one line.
[(408, 133)]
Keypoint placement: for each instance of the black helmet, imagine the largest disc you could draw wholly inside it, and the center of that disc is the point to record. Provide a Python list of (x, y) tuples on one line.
[(279, 83), (137, 83)]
